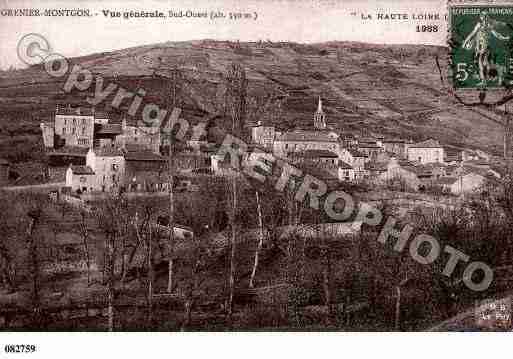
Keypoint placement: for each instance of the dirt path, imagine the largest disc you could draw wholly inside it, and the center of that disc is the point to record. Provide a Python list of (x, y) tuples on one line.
[(54, 185)]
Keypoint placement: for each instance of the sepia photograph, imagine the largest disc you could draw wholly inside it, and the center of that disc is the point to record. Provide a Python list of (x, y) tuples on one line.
[(262, 167)]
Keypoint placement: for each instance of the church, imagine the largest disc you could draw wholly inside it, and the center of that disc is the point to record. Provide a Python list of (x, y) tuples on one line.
[(290, 142)]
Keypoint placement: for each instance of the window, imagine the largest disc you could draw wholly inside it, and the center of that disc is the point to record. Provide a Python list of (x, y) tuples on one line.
[(83, 179), (115, 166)]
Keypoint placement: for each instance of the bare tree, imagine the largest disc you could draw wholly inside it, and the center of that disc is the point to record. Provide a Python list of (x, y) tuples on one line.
[(145, 234), (111, 218), (260, 240), (236, 97), (34, 218), (84, 231)]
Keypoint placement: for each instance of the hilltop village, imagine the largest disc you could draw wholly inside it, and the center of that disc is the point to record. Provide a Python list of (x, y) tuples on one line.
[(90, 154), (121, 222)]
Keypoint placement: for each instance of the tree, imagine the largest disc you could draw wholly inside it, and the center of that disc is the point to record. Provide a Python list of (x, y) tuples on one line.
[(144, 231), (112, 217), (84, 231), (260, 240), (34, 218), (236, 96)]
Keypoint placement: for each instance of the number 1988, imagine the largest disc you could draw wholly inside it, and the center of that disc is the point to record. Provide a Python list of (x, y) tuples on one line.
[(427, 28)]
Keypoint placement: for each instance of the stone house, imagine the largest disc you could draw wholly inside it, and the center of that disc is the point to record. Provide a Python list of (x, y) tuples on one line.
[(452, 155), (371, 150), (80, 178), (48, 132), (302, 140), (396, 146), (356, 160), (327, 175), (106, 134), (104, 171), (108, 165), (374, 169), (187, 161), (469, 155), (263, 135), (319, 157), (402, 175), (145, 171), (464, 184), (147, 136), (346, 172), (426, 152), (74, 126), (431, 171)]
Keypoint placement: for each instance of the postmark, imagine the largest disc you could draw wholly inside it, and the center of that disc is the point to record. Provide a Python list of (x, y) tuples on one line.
[(481, 46)]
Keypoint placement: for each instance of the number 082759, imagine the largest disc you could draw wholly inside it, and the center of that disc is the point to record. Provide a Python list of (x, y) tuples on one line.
[(20, 348)]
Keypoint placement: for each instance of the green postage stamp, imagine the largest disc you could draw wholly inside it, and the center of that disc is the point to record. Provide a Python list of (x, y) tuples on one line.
[(481, 46)]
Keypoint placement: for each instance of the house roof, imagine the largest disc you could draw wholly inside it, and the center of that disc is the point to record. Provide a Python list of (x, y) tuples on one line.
[(427, 144), (368, 145), (69, 151), (403, 162), (393, 140), (135, 147), (318, 172), (143, 156), (465, 170), (75, 111), (477, 163), (375, 166), (108, 152), (343, 165), (82, 170), (101, 115), (355, 153), (109, 129), (446, 180), (317, 154), (4, 162), (302, 135), (430, 167)]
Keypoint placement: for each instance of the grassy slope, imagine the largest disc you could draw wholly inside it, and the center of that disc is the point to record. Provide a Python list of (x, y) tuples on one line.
[(383, 89)]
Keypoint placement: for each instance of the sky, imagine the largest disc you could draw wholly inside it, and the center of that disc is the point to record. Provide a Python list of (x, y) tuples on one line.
[(305, 21)]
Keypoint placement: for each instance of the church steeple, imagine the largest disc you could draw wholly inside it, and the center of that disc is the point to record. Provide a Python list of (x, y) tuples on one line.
[(319, 117)]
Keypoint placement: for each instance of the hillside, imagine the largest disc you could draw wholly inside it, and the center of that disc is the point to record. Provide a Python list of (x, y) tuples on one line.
[(390, 90)]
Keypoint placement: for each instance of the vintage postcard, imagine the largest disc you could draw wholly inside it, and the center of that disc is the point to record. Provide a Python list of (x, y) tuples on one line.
[(254, 166)]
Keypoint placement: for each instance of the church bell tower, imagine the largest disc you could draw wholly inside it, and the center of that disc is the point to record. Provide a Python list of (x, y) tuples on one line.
[(319, 117)]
